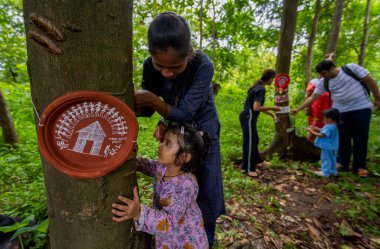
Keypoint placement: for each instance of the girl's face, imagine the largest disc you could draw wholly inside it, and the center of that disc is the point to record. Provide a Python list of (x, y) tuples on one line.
[(167, 150), (168, 63)]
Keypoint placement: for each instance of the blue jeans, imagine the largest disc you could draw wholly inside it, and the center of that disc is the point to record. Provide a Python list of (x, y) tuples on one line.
[(328, 162), (354, 130)]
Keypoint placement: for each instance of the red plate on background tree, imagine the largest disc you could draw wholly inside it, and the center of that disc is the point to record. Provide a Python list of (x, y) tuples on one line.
[(87, 134), (282, 81)]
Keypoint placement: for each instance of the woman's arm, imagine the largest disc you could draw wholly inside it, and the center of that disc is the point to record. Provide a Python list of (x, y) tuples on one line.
[(195, 96), (259, 108)]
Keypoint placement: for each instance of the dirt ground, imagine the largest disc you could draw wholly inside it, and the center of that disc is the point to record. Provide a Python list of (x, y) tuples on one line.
[(296, 211)]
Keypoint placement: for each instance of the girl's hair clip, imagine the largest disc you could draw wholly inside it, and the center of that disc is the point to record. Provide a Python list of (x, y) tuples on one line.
[(182, 129)]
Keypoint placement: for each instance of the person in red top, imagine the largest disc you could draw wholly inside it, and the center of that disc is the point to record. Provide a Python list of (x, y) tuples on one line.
[(315, 110)]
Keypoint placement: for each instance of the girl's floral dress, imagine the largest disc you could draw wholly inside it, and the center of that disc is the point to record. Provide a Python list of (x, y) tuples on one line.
[(175, 219)]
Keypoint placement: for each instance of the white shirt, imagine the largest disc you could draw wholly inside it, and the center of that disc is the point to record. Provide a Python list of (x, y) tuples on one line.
[(347, 93)]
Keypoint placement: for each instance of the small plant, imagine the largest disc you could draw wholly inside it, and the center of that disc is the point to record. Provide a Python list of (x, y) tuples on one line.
[(23, 227)]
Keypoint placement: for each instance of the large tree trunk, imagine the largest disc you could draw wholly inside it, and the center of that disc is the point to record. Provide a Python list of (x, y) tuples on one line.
[(82, 45), (363, 45), (6, 123), (288, 145), (314, 28), (335, 27)]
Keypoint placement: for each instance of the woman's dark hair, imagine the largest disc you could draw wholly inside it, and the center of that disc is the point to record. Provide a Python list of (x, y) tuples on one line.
[(196, 143), (332, 114), (169, 29), (325, 65), (265, 76)]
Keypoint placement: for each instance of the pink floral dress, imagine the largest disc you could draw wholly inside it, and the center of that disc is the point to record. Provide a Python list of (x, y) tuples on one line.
[(175, 219)]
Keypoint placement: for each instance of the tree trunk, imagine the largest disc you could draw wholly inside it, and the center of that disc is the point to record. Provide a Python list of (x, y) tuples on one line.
[(213, 31), (365, 34), (6, 123), (288, 145), (201, 25), (314, 28), (335, 27), (82, 45)]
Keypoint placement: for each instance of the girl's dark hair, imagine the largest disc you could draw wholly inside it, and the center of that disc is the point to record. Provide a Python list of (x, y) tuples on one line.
[(266, 75), (169, 29), (325, 65), (332, 114), (196, 143)]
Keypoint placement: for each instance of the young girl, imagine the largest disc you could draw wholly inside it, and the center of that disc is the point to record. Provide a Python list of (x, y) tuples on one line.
[(177, 83), (175, 218), (328, 141), (254, 104)]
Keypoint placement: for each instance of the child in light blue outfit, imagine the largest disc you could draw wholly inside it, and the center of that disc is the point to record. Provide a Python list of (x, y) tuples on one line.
[(327, 141)]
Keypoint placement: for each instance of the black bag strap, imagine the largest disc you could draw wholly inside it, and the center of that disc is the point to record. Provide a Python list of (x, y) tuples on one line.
[(349, 72), (326, 82)]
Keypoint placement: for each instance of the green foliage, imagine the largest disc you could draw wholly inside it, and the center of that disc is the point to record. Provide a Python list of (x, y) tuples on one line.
[(246, 35)]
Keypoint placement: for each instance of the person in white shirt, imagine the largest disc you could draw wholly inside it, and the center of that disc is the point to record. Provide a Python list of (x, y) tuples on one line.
[(351, 98)]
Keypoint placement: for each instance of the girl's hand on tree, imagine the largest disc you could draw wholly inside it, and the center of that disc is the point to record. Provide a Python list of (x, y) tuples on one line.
[(129, 211)]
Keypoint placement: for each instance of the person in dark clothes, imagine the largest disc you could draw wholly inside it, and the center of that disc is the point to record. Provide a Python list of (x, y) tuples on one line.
[(5, 242), (182, 77), (254, 104)]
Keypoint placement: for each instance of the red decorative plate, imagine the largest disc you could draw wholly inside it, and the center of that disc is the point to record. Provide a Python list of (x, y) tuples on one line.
[(87, 134), (282, 81)]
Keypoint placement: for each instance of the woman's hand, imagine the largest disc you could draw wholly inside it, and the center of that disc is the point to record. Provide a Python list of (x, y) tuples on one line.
[(144, 98), (129, 211), (276, 108)]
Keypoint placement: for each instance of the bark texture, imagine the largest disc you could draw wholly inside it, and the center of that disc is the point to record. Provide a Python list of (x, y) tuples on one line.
[(313, 32), (335, 27), (363, 45), (82, 45), (6, 123), (288, 145)]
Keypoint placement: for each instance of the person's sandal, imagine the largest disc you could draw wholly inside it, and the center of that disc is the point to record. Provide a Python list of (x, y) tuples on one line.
[(264, 164), (363, 173)]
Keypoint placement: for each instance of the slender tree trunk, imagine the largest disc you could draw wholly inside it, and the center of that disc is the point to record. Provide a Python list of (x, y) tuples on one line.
[(335, 27), (6, 123), (86, 46), (213, 31), (288, 145), (314, 28), (365, 33), (201, 25)]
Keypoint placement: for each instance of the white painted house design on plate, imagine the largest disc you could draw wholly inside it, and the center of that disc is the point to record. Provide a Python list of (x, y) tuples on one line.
[(91, 133)]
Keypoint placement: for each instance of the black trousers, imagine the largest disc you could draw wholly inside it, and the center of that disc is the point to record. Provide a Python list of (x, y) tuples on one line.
[(251, 155), (353, 138)]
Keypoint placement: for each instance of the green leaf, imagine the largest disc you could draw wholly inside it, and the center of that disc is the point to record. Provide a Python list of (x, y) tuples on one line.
[(17, 225), (290, 129)]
